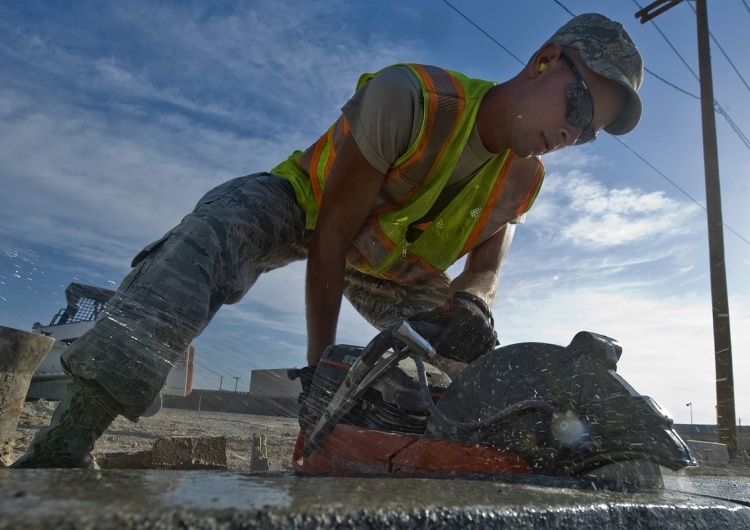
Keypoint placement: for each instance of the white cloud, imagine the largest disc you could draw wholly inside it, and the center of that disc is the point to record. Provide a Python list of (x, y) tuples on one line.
[(573, 159), (624, 263), (584, 212), (110, 132), (667, 340), (121, 142)]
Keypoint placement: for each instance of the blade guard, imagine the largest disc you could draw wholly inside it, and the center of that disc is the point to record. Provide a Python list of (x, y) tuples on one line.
[(602, 420)]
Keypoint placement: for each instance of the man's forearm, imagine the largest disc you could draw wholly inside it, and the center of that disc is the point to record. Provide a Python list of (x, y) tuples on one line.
[(481, 284), (324, 288), (481, 273), (351, 189)]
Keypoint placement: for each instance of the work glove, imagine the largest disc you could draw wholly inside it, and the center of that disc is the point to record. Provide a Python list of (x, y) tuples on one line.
[(468, 329), (308, 415)]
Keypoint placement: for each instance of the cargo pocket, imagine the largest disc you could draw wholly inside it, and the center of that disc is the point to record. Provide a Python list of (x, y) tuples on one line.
[(148, 249)]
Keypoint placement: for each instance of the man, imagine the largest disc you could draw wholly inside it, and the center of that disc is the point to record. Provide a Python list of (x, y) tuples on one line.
[(423, 167)]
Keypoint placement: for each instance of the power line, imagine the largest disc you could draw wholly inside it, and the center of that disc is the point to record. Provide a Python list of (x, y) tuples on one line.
[(565, 8), (671, 84), (716, 104), (746, 6), (697, 78), (201, 366), (724, 53), (484, 32), (733, 125), (717, 107), (650, 72), (649, 164)]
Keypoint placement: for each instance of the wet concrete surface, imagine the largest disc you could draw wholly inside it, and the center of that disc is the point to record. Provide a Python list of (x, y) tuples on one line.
[(106, 499), (736, 489)]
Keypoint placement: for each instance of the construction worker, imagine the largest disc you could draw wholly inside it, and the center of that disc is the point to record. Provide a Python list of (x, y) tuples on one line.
[(423, 166)]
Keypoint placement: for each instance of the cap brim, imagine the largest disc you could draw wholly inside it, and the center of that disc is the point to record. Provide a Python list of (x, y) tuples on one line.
[(629, 117), (631, 114)]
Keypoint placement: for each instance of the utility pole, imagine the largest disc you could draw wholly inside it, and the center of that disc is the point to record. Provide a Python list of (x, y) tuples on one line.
[(236, 380), (221, 380), (725, 408)]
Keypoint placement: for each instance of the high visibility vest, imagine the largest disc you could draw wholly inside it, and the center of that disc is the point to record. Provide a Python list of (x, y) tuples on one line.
[(504, 188)]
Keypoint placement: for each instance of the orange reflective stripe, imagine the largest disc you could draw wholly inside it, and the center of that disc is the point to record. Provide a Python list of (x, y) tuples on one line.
[(502, 189), (313, 169), (443, 113), (324, 155), (533, 190), (497, 191), (461, 105), (428, 125), (338, 132)]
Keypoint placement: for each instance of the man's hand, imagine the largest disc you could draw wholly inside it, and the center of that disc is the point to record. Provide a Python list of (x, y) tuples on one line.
[(468, 327)]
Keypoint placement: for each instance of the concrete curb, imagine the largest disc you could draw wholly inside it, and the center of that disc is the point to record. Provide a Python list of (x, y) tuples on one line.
[(223, 500)]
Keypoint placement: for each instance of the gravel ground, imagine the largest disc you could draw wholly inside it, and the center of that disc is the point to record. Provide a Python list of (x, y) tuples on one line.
[(124, 436)]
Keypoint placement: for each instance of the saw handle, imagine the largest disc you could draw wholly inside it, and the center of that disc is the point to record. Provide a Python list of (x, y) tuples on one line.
[(384, 340), (349, 393)]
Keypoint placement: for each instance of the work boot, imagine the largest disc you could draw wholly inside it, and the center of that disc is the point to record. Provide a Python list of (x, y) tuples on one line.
[(78, 421)]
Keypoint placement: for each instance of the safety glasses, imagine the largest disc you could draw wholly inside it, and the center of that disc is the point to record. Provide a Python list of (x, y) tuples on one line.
[(580, 109)]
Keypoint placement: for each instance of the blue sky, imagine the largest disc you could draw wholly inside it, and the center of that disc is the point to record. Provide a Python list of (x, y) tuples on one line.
[(115, 117)]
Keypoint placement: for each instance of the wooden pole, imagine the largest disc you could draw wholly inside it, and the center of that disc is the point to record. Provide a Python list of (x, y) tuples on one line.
[(725, 412)]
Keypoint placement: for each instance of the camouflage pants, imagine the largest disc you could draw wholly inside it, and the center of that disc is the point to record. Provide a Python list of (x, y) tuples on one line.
[(237, 231)]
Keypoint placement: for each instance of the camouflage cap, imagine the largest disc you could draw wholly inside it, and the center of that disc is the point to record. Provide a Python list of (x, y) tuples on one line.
[(607, 49)]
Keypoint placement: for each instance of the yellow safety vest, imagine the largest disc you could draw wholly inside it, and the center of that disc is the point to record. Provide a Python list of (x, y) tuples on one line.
[(504, 188)]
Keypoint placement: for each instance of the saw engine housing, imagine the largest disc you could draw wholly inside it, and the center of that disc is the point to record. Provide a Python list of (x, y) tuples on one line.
[(393, 403), (591, 416)]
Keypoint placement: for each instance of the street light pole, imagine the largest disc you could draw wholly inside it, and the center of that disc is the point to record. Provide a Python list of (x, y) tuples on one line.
[(691, 411)]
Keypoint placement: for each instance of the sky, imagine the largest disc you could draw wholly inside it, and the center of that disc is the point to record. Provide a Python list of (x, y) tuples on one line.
[(115, 117)]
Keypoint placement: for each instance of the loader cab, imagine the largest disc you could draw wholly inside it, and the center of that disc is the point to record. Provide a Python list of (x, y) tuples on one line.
[(84, 304)]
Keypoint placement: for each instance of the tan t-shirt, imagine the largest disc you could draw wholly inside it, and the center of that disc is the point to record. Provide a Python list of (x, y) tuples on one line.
[(384, 117)]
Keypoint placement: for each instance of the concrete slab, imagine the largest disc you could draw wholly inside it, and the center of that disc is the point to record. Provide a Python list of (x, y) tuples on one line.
[(709, 451), (190, 452), (32, 499)]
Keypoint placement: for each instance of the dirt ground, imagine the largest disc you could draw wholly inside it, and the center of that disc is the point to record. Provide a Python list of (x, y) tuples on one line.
[(124, 436)]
